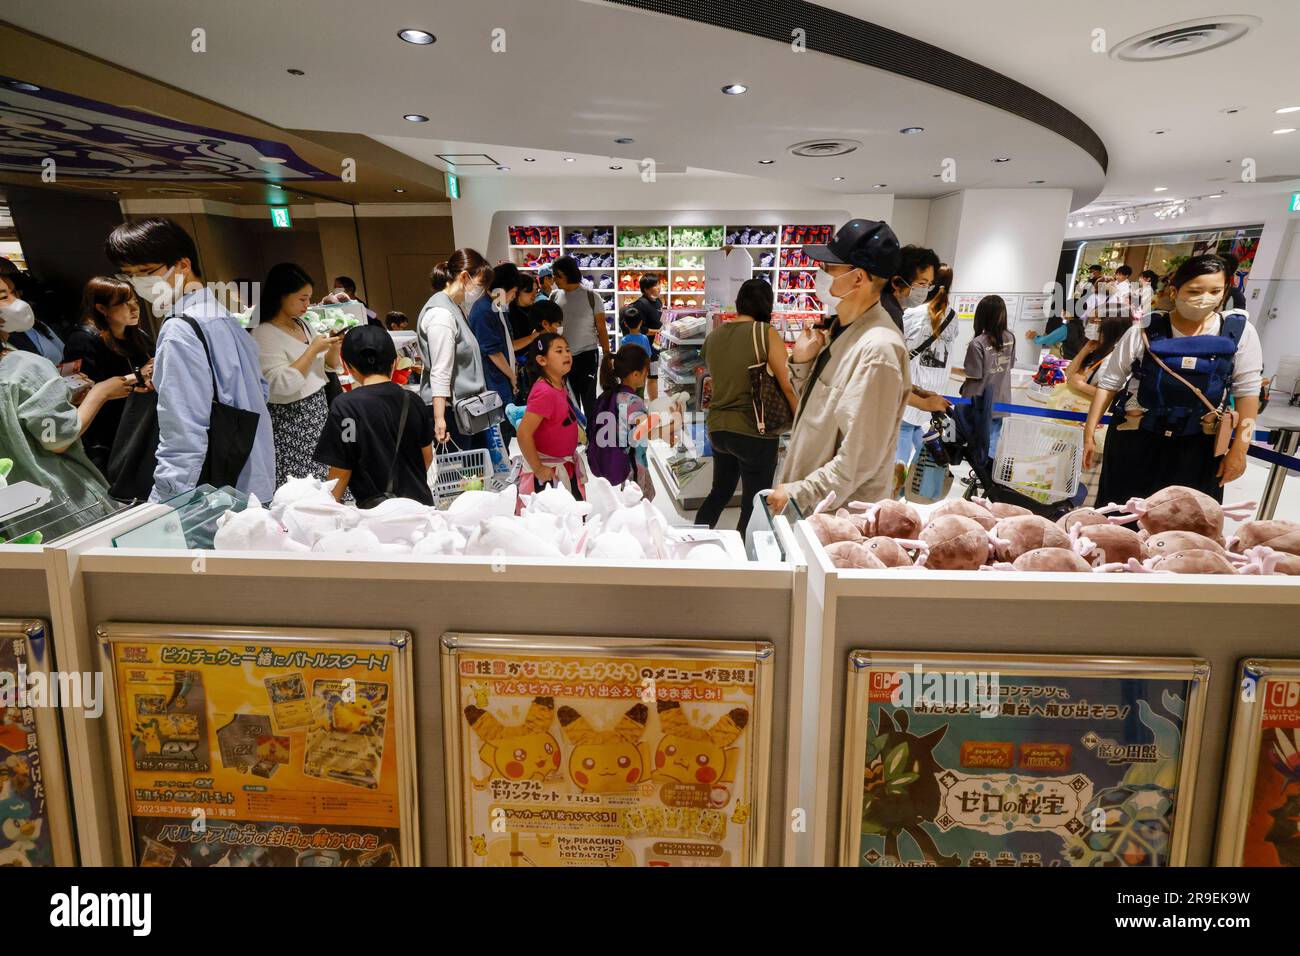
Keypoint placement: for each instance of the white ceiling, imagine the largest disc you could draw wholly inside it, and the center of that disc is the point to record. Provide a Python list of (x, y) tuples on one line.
[(577, 75)]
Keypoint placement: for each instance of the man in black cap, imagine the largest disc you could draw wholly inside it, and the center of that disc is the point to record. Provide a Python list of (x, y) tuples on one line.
[(852, 378)]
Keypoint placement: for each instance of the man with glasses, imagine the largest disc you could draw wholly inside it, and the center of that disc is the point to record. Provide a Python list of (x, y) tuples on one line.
[(213, 425), (911, 285)]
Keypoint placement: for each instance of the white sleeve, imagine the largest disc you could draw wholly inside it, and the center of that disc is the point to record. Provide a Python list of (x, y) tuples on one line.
[(1248, 368), (439, 331), (283, 380), (1118, 367)]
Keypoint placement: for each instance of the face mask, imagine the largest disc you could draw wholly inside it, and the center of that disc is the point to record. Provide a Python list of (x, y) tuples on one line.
[(916, 296), (823, 284), (1092, 331), (1197, 309), (472, 295), (16, 316), (154, 291)]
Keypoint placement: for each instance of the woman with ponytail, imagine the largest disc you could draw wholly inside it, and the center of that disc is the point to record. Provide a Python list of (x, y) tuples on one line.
[(621, 431), (453, 365), (928, 330)]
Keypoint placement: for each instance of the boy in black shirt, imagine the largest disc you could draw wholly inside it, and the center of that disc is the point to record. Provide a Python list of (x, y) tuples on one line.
[(364, 443)]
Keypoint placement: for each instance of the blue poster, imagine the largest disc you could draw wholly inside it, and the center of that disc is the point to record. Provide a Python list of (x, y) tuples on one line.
[(24, 821), (1034, 770)]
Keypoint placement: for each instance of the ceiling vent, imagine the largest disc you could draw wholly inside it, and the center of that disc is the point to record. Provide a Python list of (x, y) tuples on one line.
[(1184, 39), (1279, 178), (823, 148)]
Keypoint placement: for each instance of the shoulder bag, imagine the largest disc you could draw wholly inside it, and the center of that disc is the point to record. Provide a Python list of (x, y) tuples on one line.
[(232, 431), (392, 462), (772, 413)]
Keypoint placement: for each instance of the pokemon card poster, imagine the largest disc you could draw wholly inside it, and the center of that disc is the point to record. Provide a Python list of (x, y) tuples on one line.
[(995, 762), (25, 838), (1272, 836), (613, 753), (292, 750)]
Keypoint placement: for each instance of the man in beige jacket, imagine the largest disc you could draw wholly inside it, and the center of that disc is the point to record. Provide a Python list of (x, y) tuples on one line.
[(852, 378)]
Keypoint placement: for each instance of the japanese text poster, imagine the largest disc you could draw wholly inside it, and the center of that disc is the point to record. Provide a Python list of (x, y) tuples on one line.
[(1004, 764), (612, 755), (25, 833), (258, 752)]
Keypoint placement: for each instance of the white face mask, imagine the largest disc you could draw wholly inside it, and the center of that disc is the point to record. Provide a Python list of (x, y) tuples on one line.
[(916, 295), (1092, 330), (1197, 309), (16, 316), (472, 295), (823, 284), (155, 291)]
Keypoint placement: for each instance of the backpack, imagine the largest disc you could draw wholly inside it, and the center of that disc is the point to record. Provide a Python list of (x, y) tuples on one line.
[(1205, 361), (613, 462)]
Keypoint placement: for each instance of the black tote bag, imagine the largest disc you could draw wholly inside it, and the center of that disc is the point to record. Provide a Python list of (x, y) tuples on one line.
[(134, 455), (231, 431)]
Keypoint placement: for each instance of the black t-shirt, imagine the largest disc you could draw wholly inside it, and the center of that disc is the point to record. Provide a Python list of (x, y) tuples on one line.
[(650, 318), (521, 325), (100, 362), (360, 433)]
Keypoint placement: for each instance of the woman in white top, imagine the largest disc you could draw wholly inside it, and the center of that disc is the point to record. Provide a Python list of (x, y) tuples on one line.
[(928, 331), (453, 366), (294, 360)]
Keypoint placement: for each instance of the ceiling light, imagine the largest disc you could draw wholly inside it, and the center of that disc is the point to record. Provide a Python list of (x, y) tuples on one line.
[(530, 159), (624, 140), (909, 130), (1280, 132), (616, 168), (1230, 110), (880, 185), (1159, 132), (734, 89), (569, 159), (33, 88), (415, 118), (418, 37), (398, 189), (1285, 109), (1160, 189), (1002, 159), (1037, 182), (839, 179), (503, 169), (1216, 196), (766, 162)]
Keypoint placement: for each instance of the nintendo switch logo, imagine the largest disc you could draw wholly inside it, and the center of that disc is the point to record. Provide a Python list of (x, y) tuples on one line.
[(1284, 694)]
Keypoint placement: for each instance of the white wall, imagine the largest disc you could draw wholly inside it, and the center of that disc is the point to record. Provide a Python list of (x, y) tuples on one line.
[(941, 226), (910, 220)]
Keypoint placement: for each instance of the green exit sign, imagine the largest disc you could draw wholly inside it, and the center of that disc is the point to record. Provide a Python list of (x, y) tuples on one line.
[(1295, 202), (453, 186), (280, 217)]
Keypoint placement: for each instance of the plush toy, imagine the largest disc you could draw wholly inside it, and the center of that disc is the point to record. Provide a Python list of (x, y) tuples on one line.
[(703, 552), (310, 518), (1194, 561), (1000, 509), (889, 518), (894, 552), (1179, 508), (557, 500), (1278, 535), (832, 528), (1165, 543), (449, 542), (473, 507), (956, 543), (1021, 534), (1262, 559), (504, 535), (1086, 517), (6, 466), (253, 529), (401, 520), (853, 555), (645, 523), (300, 489), (617, 546), (1046, 559), (347, 541), (1107, 546), (566, 533), (965, 509)]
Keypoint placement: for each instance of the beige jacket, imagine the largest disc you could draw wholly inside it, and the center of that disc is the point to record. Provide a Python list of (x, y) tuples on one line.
[(846, 429)]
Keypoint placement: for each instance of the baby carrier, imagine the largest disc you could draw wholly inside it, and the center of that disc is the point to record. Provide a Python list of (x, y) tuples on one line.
[(1203, 362)]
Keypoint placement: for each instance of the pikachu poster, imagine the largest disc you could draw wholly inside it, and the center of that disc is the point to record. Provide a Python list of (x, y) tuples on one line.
[(248, 752), (610, 754)]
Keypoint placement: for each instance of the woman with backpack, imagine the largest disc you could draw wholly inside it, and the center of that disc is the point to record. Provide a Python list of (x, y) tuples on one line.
[(1183, 382)]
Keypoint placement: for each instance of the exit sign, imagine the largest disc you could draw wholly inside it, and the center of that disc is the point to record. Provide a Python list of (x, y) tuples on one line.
[(453, 186), (1295, 202), (280, 217)]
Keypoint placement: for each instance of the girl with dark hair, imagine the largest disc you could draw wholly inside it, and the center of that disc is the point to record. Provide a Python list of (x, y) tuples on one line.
[(1081, 386), (453, 364), (928, 331), (1165, 432), (621, 431), (989, 358), (108, 343), (585, 326), (548, 434), (742, 453), (294, 362)]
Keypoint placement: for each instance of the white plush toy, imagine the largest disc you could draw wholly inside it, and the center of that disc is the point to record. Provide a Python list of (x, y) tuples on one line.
[(643, 522), (507, 536), (449, 542), (703, 552), (558, 501), (617, 546), (253, 529), (347, 541), (300, 489), (401, 520), (566, 533), (473, 507), (311, 518)]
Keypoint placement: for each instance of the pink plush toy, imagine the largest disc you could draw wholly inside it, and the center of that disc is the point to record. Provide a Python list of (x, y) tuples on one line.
[(832, 528), (889, 518), (1028, 532), (894, 552), (1046, 559), (1165, 543), (956, 543), (1179, 508), (1264, 560), (1278, 535), (1194, 561), (965, 509), (1107, 546), (853, 554), (1001, 510)]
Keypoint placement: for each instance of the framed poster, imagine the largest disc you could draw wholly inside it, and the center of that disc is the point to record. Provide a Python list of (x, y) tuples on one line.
[(606, 751), (262, 747), (1019, 760), (1261, 787), (35, 826)]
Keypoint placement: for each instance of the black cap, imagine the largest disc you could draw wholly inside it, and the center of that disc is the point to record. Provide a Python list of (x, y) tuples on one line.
[(863, 244), (369, 349)]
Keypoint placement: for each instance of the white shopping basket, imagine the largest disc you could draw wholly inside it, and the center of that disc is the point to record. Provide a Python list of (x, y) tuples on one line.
[(1039, 458), (457, 471)]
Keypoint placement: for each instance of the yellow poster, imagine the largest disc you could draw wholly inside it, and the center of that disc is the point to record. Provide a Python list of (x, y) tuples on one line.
[(607, 753), (248, 751)]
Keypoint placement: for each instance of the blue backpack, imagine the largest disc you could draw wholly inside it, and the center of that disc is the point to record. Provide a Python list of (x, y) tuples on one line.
[(1205, 361)]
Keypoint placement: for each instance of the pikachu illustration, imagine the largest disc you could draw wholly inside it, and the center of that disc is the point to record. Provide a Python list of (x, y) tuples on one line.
[(690, 754), (478, 843), (480, 692), (524, 751), (741, 814), (149, 734), (605, 761)]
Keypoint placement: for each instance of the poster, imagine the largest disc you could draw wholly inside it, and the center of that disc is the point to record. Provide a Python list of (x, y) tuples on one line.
[(256, 748), (1259, 824), (1014, 760), (606, 752), (34, 830)]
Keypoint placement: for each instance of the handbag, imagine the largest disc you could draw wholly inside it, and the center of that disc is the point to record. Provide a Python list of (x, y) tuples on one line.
[(392, 462), (1221, 421), (474, 413), (231, 431), (772, 412), (134, 455)]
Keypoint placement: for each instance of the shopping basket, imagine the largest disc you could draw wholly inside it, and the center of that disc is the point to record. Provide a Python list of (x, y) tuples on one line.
[(1039, 458), (457, 471)]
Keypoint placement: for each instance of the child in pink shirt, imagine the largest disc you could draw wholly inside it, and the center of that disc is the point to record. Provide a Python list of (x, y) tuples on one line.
[(548, 434)]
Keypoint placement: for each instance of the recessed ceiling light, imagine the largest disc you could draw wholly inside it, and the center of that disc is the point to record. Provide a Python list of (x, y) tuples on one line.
[(33, 88), (1280, 132), (1037, 182), (296, 72), (1230, 110), (398, 189), (569, 159), (624, 140), (1159, 132), (1288, 109), (880, 185), (415, 118), (839, 179), (503, 169), (1217, 196), (530, 159), (909, 130), (1002, 159), (1160, 189), (418, 37), (734, 89), (766, 162), (616, 168)]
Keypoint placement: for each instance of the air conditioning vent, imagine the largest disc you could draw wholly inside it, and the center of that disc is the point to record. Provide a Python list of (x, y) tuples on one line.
[(823, 148), (1184, 39), (1278, 178)]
